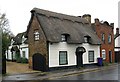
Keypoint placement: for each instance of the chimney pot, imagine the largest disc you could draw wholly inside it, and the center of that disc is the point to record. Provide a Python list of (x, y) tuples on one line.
[(117, 31)]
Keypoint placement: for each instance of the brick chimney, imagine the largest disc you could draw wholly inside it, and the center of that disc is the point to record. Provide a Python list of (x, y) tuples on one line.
[(112, 24), (97, 22), (87, 17)]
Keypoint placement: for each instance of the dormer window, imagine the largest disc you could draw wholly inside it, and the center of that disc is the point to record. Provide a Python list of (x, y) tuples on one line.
[(64, 37), (87, 39), (36, 35)]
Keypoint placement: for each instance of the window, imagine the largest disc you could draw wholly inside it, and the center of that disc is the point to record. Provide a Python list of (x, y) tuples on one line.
[(63, 58), (109, 38), (64, 38), (91, 56), (103, 54), (85, 39), (103, 37), (23, 53), (36, 35)]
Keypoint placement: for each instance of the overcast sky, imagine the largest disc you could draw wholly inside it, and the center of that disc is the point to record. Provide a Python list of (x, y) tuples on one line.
[(18, 11)]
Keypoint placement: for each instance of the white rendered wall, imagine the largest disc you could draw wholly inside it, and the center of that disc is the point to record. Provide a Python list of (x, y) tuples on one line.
[(8, 53), (54, 49), (24, 47), (117, 43)]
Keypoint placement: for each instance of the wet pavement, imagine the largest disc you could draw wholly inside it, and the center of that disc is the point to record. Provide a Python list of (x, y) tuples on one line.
[(109, 74), (88, 73)]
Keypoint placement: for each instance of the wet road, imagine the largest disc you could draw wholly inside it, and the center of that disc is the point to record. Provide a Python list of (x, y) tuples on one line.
[(109, 74)]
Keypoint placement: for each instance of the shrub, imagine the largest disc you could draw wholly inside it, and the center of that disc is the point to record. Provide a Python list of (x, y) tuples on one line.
[(105, 63), (18, 60), (24, 60)]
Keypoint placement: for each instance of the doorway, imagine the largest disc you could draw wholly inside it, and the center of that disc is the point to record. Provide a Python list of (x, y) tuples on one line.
[(110, 56), (39, 62), (79, 55)]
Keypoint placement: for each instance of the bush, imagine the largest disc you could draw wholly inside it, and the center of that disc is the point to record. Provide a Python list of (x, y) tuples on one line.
[(24, 60), (18, 60), (105, 63)]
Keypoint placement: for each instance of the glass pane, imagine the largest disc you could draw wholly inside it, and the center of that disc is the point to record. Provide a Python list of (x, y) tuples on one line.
[(63, 58)]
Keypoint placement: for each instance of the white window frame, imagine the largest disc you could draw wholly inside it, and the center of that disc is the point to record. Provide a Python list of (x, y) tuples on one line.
[(103, 54), (109, 38), (89, 56), (36, 35), (23, 52), (103, 37), (63, 38)]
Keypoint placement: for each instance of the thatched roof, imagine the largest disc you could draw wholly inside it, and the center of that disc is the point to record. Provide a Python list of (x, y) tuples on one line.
[(18, 39), (56, 24)]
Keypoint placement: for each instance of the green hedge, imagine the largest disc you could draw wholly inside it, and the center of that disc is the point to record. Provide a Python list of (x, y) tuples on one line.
[(22, 60), (18, 60)]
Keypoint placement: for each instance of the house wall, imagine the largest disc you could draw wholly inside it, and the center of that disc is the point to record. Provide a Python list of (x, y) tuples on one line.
[(8, 53), (117, 43), (39, 46), (54, 49), (106, 29), (24, 47)]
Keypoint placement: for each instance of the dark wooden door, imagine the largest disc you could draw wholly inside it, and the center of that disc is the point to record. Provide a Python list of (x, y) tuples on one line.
[(117, 56), (39, 62), (79, 59), (110, 56)]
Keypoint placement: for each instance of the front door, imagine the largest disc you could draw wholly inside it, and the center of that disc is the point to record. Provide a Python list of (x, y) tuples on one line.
[(110, 56), (39, 62), (79, 59)]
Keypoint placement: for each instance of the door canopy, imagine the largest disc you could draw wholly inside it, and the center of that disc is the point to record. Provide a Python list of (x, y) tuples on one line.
[(80, 50)]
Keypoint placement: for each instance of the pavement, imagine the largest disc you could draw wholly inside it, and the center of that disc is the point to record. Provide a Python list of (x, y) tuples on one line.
[(51, 75)]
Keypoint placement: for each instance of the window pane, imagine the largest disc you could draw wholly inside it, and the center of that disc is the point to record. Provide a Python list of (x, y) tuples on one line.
[(109, 39), (91, 56), (103, 54), (36, 35), (23, 52), (63, 37), (63, 57)]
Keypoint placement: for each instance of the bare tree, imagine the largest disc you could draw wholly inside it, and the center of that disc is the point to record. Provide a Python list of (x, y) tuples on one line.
[(6, 34)]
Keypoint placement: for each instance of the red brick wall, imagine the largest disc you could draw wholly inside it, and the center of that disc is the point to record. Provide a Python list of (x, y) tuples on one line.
[(36, 46), (106, 29)]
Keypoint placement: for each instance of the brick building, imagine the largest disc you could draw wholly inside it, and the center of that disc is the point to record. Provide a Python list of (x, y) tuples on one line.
[(105, 32)]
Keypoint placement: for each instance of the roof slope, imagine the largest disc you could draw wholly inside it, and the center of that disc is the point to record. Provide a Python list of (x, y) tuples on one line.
[(56, 24), (18, 39)]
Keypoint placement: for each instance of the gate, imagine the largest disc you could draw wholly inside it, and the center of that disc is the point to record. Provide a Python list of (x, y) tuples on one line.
[(39, 62)]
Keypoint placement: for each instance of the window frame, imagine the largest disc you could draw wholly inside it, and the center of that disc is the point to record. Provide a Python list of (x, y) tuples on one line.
[(36, 35), (103, 37), (89, 56), (64, 38), (109, 38), (104, 55), (66, 62), (24, 54)]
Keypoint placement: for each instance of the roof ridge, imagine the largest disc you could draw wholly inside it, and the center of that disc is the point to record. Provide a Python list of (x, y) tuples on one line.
[(59, 15)]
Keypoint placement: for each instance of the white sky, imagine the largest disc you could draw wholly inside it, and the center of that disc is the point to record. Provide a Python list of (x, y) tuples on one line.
[(18, 11)]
